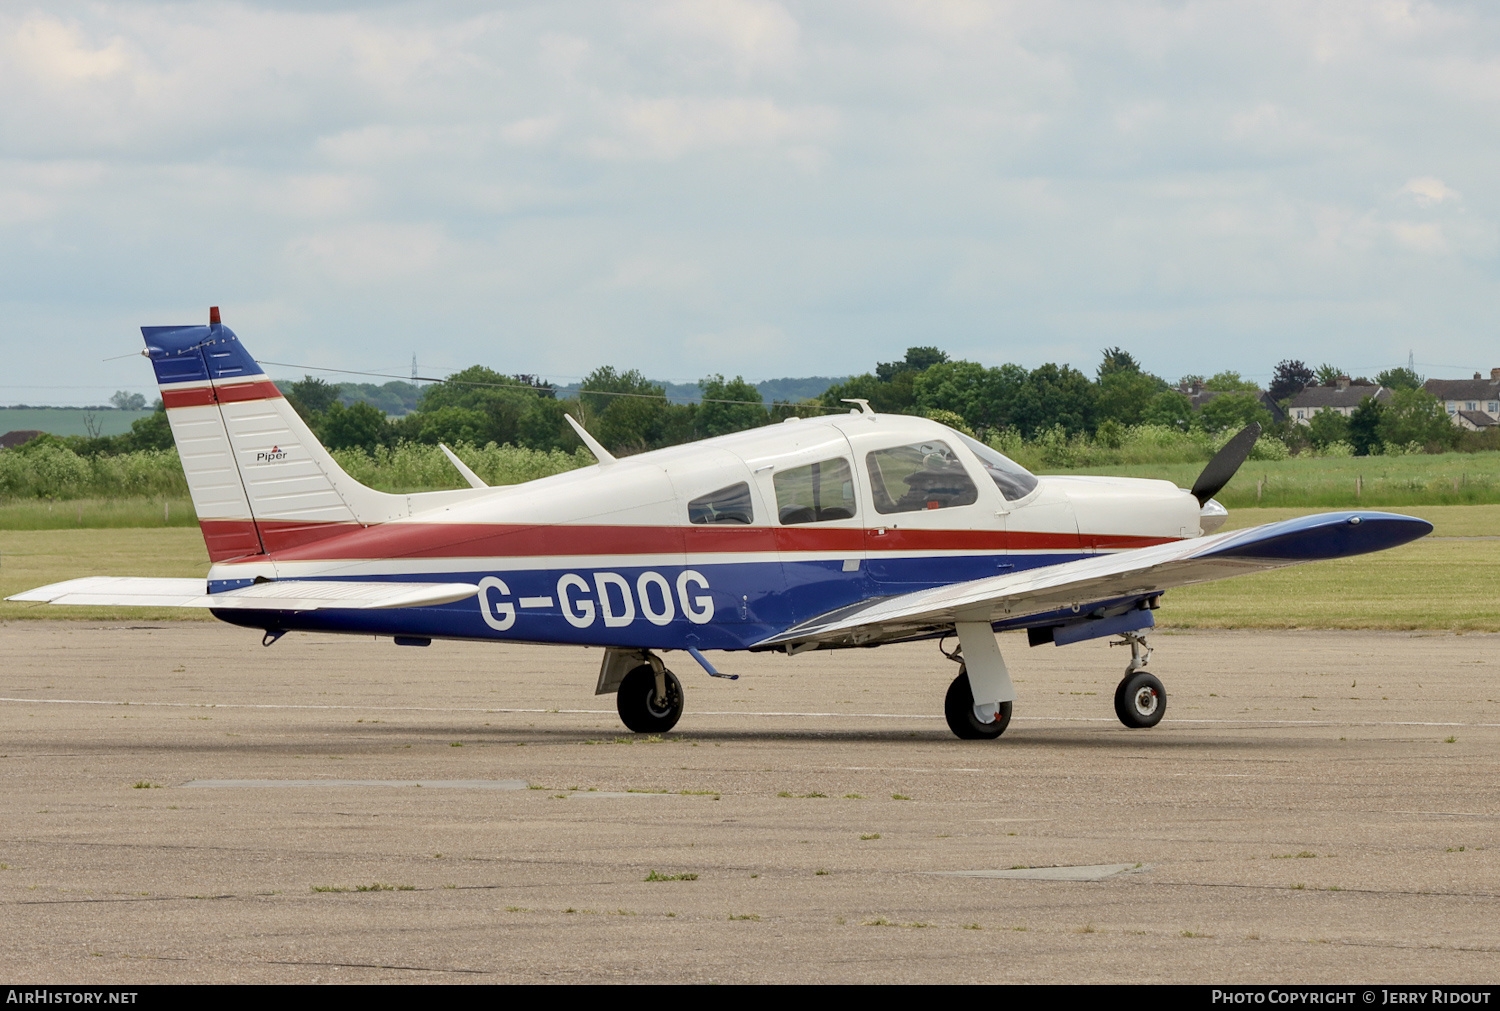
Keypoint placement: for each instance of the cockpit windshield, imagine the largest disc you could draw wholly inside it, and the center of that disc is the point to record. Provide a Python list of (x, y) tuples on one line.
[(1013, 480)]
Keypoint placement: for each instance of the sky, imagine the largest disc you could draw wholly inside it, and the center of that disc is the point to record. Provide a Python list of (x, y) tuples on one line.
[(748, 187)]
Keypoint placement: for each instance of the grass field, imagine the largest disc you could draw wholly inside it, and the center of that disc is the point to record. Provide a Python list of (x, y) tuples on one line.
[(1448, 581), (66, 420), (1342, 483), (72, 514), (30, 558)]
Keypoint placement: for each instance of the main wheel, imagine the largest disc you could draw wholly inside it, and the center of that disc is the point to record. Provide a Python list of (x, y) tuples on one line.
[(640, 708), (1140, 700), (958, 707)]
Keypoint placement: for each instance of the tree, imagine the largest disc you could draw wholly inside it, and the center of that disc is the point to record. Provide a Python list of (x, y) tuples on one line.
[(151, 432), (1364, 427), (128, 401), (1169, 409), (1053, 396), (1117, 359), (311, 397), (360, 424), (1414, 415), (1125, 396), (1290, 378), (916, 360), (1399, 379), (728, 406), (628, 412), (964, 388), (894, 397), (1233, 410), (1226, 382), (1327, 374), (452, 424), (504, 402), (1327, 427)]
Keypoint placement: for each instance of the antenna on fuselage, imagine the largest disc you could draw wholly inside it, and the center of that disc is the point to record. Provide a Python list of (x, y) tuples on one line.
[(864, 405), (601, 454), (475, 481)]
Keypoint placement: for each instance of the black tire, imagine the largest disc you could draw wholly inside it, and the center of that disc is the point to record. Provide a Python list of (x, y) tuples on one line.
[(958, 707), (1140, 701), (641, 710)]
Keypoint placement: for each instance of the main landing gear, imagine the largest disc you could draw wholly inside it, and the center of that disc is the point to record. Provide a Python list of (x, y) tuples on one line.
[(1140, 699), (981, 676), (650, 701), (648, 696), (958, 707)]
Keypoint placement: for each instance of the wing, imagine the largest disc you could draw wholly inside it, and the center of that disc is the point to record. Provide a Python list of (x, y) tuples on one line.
[(280, 595), (1092, 586)]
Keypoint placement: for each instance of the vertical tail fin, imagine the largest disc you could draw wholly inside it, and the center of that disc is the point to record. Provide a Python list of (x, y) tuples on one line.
[(259, 478)]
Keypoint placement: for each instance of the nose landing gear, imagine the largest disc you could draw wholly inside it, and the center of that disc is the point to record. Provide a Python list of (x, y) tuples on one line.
[(1140, 699)]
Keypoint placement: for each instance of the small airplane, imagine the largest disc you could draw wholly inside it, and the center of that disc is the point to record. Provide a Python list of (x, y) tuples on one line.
[(850, 530)]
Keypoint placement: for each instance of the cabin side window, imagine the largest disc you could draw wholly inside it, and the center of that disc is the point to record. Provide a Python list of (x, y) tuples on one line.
[(924, 475), (727, 505), (811, 494)]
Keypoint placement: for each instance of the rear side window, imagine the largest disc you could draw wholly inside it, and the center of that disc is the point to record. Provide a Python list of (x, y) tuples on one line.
[(727, 505), (821, 491), (924, 475)]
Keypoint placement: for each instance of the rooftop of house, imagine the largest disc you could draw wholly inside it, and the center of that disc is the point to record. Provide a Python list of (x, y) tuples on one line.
[(10, 440), (1477, 388), (1345, 393)]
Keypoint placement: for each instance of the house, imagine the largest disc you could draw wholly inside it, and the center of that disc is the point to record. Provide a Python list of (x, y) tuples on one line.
[(1198, 396), (1472, 404), (1343, 396)]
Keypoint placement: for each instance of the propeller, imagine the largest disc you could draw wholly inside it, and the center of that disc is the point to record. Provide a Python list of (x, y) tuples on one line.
[(1225, 462)]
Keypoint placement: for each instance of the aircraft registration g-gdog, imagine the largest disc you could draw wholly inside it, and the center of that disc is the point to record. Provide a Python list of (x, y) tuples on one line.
[(856, 529)]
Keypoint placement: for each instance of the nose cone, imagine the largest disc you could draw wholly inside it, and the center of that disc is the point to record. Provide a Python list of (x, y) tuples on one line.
[(1212, 516)]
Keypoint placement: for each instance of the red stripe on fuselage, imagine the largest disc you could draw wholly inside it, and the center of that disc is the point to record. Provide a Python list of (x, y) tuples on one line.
[(227, 393), (291, 541)]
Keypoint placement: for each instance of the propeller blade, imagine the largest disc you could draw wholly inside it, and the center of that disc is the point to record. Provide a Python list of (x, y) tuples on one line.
[(1225, 462)]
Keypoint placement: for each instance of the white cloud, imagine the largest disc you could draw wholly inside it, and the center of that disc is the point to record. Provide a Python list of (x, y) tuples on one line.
[(756, 187), (1428, 191)]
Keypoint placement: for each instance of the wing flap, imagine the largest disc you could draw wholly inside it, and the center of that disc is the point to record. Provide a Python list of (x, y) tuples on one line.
[(1079, 585), (279, 595)]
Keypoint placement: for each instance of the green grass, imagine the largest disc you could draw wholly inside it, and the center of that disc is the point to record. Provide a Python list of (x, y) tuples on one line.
[(1340, 483), (94, 513), (31, 558), (1428, 584)]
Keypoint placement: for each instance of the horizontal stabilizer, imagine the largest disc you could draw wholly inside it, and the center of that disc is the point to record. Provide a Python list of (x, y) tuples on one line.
[(1080, 586), (280, 595)]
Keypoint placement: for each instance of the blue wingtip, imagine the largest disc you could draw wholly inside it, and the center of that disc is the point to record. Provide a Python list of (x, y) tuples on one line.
[(1322, 536)]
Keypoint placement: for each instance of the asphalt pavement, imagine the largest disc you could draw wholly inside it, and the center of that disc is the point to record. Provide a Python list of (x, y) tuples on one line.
[(180, 804)]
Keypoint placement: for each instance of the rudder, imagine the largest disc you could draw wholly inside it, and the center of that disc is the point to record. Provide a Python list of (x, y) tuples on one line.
[(259, 478)]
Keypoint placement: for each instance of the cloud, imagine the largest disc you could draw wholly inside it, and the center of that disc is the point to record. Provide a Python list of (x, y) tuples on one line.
[(1428, 191), (750, 186)]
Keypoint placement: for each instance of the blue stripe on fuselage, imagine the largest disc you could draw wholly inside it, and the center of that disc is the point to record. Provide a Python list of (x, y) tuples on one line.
[(716, 606)]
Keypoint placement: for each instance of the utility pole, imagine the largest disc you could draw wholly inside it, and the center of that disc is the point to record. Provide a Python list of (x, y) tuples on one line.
[(413, 367)]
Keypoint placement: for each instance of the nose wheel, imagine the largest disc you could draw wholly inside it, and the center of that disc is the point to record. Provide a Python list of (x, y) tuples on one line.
[(1140, 700)]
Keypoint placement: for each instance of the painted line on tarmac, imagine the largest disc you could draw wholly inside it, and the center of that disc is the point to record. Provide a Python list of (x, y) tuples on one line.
[(728, 712)]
